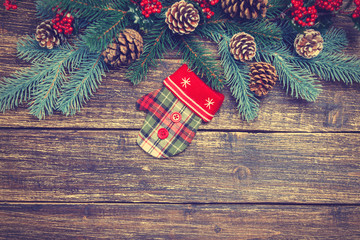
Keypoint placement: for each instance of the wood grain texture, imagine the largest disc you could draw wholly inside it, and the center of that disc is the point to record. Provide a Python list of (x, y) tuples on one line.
[(337, 108), (218, 167), (153, 221), (294, 173)]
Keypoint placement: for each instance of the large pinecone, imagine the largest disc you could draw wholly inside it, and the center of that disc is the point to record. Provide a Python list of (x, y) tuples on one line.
[(242, 46), (125, 49), (182, 17), (47, 36), (262, 78), (249, 9), (309, 44)]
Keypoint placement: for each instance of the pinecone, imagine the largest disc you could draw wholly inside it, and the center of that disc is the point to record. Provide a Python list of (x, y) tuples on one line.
[(47, 36), (262, 78), (182, 17), (243, 46), (249, 9), (309, 44), (125, 49)]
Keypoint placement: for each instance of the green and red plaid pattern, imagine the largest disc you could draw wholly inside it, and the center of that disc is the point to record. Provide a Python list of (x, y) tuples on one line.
[(160, 104)]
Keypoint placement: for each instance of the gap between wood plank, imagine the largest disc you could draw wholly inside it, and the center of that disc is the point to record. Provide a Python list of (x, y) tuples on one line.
[(183, 203)]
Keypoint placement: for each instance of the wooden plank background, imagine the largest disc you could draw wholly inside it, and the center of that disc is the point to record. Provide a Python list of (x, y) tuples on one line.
[(293, 173)]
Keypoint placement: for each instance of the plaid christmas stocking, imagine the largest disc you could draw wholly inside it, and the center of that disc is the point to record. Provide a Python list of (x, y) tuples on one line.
[(175, 112)]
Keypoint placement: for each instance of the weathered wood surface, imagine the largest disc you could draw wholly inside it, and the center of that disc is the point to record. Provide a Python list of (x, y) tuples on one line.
[(337, 108), (294, 173), (218, 167), (183, 221)]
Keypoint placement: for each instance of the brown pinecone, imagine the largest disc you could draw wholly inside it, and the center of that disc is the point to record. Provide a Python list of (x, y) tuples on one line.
[(242, 46), (182, 17), (309, 44), (249, 9), (125, 49), (262, 78), (47, 36)]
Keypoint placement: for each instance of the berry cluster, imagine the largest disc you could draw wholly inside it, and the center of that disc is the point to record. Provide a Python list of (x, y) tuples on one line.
[(356, 12), (205, 5), (149, 7), (304, 16), (10, 5), (329, 5), (63, 22)]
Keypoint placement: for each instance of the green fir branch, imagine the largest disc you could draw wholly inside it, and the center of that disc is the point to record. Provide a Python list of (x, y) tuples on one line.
[(263, 31), (298, 82), (99, 34), (276, 8), (331, 64), (48, 89), (212, 29), (29, 50), (333, 67), (156, 43), (69, 72), (92, 10), (199, 62), (21, 86), (44, 9), (237, 78), (18, 88), (82, 84), (335, 40)]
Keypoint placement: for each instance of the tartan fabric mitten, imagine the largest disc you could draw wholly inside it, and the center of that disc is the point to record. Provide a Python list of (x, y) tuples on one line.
[(175, 112)]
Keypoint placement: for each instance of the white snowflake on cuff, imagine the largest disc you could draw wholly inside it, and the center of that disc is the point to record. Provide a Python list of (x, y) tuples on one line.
[(185, 82), (209, 102)]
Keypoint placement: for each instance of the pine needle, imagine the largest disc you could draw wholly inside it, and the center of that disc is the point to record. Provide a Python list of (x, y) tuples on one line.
[(101, 33), (82, 84), (263, 31), (199, 62), (237, 78), (70, 72), (156, 43), (298, 82)]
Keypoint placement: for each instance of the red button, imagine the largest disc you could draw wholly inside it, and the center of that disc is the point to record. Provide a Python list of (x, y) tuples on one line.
[(163, 133), (175, 117)]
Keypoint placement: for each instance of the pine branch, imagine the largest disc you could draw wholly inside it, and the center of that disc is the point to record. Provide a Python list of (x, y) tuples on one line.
[(45, 95), (263, 31), (276, 8), (332, 64), (335, 40), (44, 9), (18, 88), (156, 43), (29, 50), (199, 62), (297, 81), (213, 28), (333, 67), (92, 10), (237, 78), (82, 84), (100, 33)]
